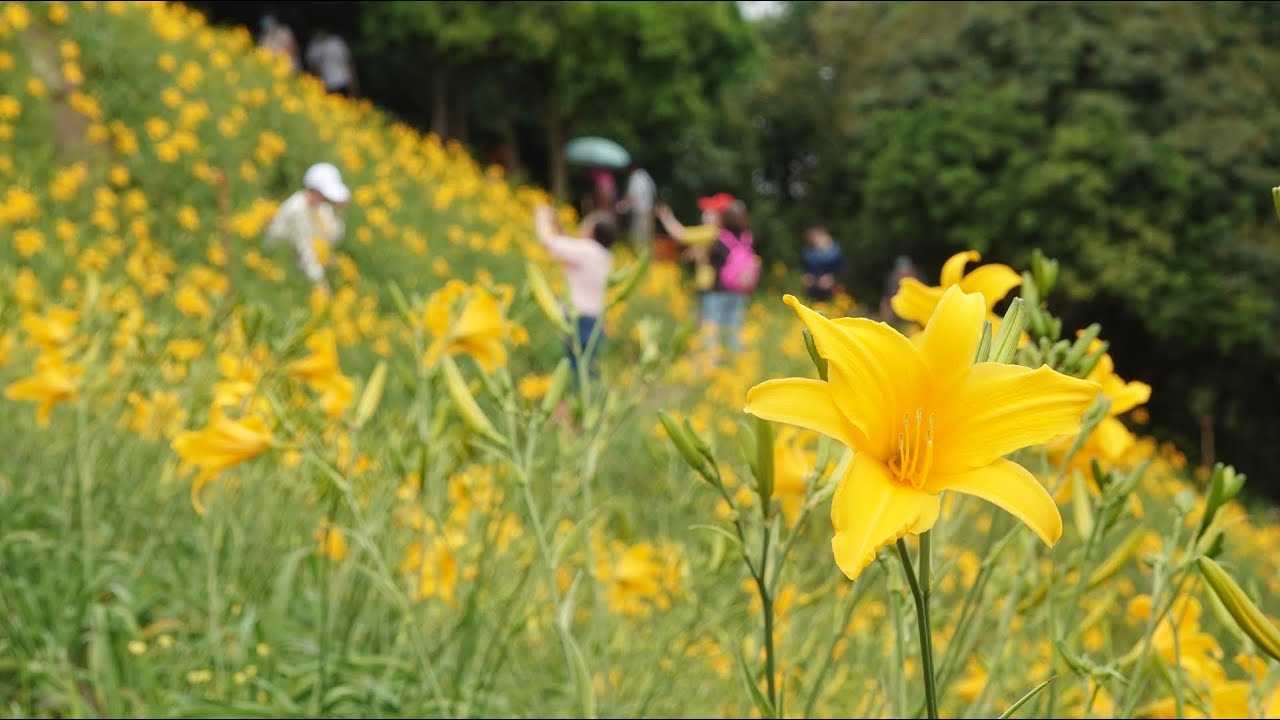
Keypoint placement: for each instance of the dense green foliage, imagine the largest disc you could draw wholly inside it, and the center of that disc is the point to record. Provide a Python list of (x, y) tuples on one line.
[(1130, 140), (1123, 138)]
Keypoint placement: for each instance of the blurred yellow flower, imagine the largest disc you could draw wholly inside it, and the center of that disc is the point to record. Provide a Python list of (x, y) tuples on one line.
[(222, 444), (185, 350), (924, 419), (28, 241), (479, 329), (533, 387), (161, 415), (321, 372), (433, 568), (331, 543), (916, 301), (636, 577), (792, 465), (190, 301), (26, 288), (53, 382), (51, 331)]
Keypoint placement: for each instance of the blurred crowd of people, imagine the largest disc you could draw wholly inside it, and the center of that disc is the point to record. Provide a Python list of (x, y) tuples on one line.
[(327, 56)]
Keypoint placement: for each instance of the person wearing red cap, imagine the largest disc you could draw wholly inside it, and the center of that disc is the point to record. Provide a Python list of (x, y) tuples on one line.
[(721, 309)]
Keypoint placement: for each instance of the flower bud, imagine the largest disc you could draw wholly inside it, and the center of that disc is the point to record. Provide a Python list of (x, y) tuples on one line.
[(984, 344), (685, 444), (1081, 346), (1081, 505), (1224, 484), (1257, 626), (397, 297), (819, 362), (545, 298), (1275, 196), (465, 402), (1044, 270), (631, 280), (372, 394), (1005, 343), (559, 380), (1030, 292), (1091, 360), (1118, 557)]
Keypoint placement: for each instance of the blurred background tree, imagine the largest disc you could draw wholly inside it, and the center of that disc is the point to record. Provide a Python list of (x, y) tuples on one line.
[(1134, 141)]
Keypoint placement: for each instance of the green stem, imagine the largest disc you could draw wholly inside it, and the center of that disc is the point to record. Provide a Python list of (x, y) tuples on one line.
[(766, 606), (926, 582), (817, 685), (326, 589), (922, 620)]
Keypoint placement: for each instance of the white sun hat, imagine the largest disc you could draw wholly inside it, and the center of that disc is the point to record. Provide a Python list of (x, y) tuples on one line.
[(325, 179)]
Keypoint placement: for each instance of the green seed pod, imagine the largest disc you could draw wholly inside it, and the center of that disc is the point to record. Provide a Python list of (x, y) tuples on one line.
[(559, 381), (372, 395), (1256, 625)]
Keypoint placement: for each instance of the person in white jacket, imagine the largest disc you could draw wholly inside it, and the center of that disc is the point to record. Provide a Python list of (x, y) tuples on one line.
[(311, 221)]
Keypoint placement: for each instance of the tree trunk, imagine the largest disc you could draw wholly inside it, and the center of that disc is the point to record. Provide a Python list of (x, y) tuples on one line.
[(555, 146), (511, 142), (458, 115), (439, 101)]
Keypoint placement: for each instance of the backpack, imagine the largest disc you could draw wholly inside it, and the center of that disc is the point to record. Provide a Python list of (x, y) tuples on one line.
[(741, 270)]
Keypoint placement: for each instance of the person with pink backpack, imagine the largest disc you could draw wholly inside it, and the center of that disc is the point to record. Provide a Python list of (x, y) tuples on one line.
[(728, 268)]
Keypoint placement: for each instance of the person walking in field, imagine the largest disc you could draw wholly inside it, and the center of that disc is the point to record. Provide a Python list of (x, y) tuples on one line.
[(329, 57), (638, 203), (823, 264), (587, 260), (311, 222), (727, 269)]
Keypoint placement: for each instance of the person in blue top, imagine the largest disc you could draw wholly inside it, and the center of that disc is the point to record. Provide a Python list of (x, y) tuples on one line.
[(823, 263)]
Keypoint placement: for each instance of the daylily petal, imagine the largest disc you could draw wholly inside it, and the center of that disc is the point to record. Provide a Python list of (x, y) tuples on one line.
[(994, 281), (951, 338), (803, 402), (1125, 396), (1011, 487), (1113, 437), (869, 511), (914, 300), (953, 268), (1002, 408), (875, 372)]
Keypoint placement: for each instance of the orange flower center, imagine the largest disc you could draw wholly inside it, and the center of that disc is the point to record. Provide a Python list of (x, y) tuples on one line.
[(915, 450)]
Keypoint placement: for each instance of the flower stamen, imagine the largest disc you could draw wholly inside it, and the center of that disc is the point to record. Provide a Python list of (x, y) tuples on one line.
[(915, 451)]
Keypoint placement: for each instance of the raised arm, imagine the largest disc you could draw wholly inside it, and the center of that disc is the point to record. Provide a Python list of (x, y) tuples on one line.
[(669, 221), (566, 250)]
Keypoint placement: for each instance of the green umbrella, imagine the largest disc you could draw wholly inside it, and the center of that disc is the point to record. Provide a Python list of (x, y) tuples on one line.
[(598, 151)]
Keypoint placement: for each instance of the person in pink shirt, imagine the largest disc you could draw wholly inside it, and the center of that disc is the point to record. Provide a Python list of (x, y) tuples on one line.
[(587, 261)]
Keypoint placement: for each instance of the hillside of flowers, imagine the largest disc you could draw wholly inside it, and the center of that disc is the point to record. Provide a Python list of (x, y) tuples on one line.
[(223, 493)]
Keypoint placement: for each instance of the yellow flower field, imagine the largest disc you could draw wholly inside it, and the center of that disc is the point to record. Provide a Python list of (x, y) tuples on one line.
[(222, 494)]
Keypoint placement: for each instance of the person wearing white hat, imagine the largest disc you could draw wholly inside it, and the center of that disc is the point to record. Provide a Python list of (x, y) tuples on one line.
[(311, 221)]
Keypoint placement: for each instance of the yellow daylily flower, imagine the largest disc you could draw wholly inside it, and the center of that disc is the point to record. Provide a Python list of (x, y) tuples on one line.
[(923, 419), (1113, 436), (51, 331), (792, 464), (224, 443), (53, 382), (916, 301), (1110, 440), (479, 330), (322, 363)]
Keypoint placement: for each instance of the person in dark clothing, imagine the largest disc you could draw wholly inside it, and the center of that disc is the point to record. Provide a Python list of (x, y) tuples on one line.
[(823, 263)]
